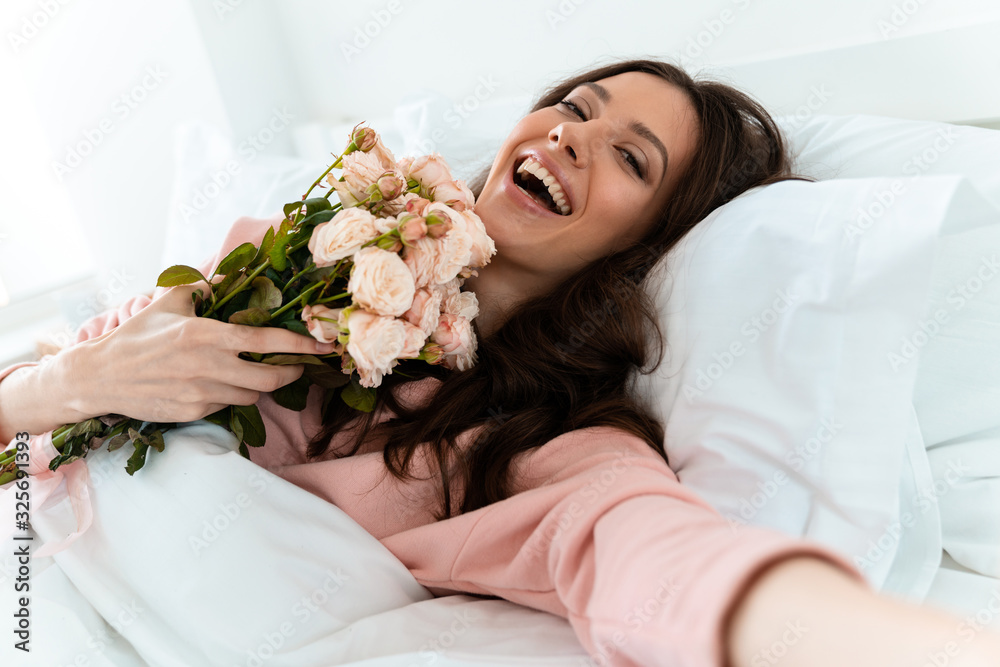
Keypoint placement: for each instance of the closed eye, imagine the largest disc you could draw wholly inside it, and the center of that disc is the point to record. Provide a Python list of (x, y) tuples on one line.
[(574, 109), (629, 158)]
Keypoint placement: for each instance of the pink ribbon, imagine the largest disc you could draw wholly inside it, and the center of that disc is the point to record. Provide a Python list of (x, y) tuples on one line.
[(47, 487)]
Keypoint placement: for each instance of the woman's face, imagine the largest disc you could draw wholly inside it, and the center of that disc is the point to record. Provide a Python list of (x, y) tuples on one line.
[(613, 150)]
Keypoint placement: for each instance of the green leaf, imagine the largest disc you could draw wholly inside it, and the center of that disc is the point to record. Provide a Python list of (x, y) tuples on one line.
[(265, 247), (253, 426), (326, 376), (279, 259), (265, 295), (117, 441), (138, 458), (87, 427), (179, 274), (254, 317), (358, 397), (287, 359), (244, 452), (297, 326), (238, 259), (236, 426), (293, 395), (316, 219), (220, 417), (290, 208), (155, 440)]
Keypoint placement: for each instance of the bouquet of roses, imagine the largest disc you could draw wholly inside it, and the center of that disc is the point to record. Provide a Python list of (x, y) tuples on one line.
[(378, 274)]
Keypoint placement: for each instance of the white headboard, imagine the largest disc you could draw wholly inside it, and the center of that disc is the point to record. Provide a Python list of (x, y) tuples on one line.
[(951, 75)]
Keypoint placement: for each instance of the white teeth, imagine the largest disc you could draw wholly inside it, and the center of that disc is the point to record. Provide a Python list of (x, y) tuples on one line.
[(535, 168)]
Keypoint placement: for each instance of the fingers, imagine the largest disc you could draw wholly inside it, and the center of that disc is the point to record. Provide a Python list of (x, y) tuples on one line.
[(253, 376), (264, 340)]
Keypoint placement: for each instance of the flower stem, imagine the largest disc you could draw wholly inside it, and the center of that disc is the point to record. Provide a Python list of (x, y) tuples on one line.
[(260, 269), (297, 299), (298, 275)]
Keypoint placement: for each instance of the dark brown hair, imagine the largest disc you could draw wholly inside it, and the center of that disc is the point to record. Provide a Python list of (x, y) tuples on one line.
[(567, 360)]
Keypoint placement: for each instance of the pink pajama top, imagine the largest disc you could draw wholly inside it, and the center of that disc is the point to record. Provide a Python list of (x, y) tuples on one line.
[(599, 531)]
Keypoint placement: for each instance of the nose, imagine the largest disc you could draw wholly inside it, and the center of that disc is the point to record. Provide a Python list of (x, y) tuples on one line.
[(580, 141)]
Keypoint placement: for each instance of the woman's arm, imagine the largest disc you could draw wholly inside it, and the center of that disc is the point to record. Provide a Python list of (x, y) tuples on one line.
[(153, 360), (805, 613)]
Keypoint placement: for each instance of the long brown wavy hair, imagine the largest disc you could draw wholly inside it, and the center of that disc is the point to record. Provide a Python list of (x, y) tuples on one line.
[(567, 360)]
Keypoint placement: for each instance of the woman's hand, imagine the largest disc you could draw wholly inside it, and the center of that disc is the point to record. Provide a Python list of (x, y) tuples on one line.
[(162, 364), (166, 365)]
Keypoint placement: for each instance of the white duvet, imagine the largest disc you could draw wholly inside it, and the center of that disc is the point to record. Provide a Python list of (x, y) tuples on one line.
[(204, 558)]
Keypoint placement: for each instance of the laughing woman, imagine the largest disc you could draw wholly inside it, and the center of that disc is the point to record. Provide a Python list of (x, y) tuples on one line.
[(535, 475)]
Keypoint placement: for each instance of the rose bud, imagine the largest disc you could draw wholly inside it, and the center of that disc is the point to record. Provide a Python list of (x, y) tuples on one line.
[(390, 243), (391, 185), (412, 228), (364, 138), (416, 204)]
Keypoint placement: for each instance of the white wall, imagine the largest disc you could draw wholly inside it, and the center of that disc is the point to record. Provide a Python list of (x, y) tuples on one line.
[(449, 44)]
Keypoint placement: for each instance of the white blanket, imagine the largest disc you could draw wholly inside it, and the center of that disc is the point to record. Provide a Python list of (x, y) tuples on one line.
[(204, 558)]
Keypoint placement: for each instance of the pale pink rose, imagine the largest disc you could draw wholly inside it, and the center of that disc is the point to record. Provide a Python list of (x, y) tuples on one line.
[(463, 304), (341, 236), (457, 340), (360, 170), (374, 345), (448, 289), (483, 247), (412, 227), (322, 322), (455, 194), (381, 282), (428, 170), (421, 258), (425, 310), (385, 223), (413, 341), (454, 254), (415, 204)]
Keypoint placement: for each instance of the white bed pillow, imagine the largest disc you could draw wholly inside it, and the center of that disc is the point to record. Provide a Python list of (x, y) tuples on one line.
[(782, 403)]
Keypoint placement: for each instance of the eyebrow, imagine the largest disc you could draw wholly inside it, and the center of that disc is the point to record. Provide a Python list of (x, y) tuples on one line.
[(635, 126)]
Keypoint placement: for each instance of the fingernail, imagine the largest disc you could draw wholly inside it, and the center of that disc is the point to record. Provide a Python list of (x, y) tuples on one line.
[(324, 348)]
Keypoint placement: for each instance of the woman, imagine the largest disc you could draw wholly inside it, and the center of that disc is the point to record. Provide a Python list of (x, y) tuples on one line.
[(536, 476)]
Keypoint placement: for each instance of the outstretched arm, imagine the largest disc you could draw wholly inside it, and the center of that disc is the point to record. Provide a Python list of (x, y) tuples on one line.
[(802, 612)]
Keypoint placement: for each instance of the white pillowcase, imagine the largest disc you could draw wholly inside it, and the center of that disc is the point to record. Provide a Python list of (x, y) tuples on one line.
[(783, 405)]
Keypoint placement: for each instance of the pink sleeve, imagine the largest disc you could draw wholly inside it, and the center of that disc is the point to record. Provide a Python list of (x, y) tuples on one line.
[(604, 534)]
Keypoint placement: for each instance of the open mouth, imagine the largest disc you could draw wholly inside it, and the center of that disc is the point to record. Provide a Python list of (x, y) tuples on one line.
[(536, 181)]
